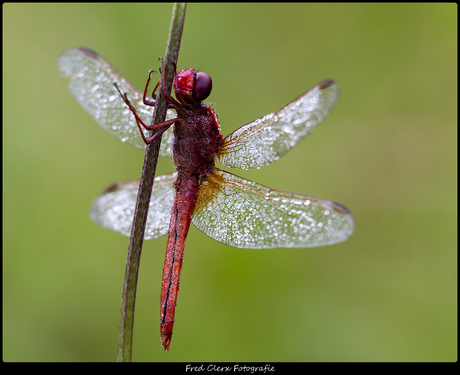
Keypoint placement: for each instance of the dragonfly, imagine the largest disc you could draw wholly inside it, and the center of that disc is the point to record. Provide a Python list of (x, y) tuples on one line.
[(222, 205)]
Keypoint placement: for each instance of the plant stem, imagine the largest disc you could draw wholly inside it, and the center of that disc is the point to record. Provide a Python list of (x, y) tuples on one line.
[(125, 333)]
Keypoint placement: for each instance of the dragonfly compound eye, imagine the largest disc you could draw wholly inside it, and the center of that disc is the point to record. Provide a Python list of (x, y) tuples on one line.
[(203, 86)]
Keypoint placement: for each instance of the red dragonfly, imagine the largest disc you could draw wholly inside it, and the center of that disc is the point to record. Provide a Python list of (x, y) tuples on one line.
[(227, 208)]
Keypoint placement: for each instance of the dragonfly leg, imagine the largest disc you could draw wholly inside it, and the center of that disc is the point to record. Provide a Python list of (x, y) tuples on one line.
[(144, 99), (169, 98), (131, 108), (172, 103), (162, 125)]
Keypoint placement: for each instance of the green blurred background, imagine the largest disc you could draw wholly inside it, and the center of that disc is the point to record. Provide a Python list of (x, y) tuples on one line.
[(388, 152)]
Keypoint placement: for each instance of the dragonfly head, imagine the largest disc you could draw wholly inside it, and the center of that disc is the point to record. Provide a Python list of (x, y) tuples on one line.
[(193, 87)]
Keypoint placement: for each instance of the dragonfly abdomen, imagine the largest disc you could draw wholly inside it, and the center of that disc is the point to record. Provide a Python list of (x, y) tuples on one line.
[(186, 187)]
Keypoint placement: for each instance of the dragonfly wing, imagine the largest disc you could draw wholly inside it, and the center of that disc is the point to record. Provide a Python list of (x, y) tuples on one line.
[(265, 140), (114, 208), (91, 83), (244, 214)]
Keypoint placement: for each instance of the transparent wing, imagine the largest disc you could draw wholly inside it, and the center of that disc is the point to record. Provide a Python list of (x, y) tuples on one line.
[(114, 208), (265, 140), (244, 214), (91, 83)]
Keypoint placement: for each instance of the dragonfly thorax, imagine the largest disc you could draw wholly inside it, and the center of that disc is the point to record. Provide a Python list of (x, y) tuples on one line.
[(196, 140)]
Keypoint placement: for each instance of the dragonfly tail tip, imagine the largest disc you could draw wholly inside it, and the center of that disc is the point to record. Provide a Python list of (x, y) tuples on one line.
[(166, 341)]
